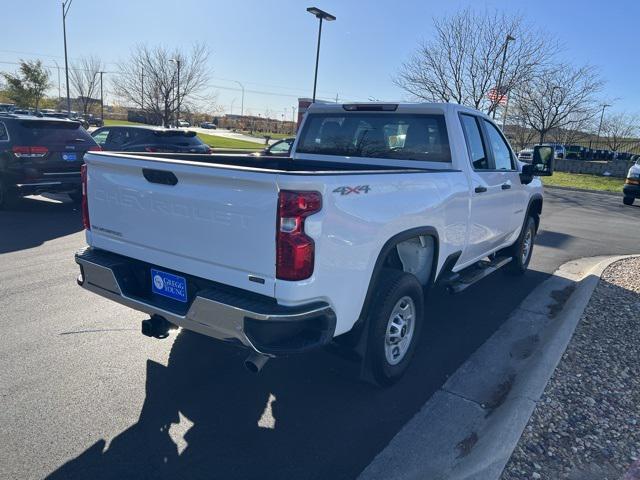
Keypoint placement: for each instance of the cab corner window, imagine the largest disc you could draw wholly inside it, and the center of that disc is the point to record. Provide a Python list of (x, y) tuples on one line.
[(477, 150)]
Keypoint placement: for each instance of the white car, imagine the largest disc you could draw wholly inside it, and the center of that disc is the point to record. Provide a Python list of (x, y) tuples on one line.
[(377, 203)]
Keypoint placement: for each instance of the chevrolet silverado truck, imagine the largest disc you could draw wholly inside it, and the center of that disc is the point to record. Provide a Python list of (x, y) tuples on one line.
[(336, 244)]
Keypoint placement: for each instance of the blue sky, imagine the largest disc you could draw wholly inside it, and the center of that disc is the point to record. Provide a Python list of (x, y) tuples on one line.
[(269, 46)]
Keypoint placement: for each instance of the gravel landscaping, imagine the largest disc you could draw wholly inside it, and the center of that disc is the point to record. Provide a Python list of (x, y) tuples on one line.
[(587, 424)]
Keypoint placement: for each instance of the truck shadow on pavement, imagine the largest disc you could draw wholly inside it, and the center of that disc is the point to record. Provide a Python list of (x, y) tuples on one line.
[(303, 417), (34, 221)]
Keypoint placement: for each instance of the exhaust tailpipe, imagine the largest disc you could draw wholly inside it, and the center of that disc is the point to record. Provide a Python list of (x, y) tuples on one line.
[(255, 362)]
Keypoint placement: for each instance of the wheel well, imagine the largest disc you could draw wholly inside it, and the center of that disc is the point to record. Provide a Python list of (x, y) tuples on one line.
[(415, 255), (535, 209), (390, 258)]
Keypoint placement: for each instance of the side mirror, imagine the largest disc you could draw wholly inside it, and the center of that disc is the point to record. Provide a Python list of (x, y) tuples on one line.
[(542, 163)]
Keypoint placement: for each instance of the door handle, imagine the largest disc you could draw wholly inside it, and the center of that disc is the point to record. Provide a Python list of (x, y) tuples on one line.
[(506, 186), (480, 189)]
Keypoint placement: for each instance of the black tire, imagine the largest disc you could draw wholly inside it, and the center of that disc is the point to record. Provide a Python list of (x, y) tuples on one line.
[(8, 197), (76, 197), (628, 200), (394, 286), (520, 262)]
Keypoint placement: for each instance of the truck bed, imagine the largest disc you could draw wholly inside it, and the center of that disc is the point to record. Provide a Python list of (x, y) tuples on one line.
[(280, 165)]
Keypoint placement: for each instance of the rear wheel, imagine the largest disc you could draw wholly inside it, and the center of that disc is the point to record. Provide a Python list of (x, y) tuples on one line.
[(395, 324), (628, 200), (521, 250)]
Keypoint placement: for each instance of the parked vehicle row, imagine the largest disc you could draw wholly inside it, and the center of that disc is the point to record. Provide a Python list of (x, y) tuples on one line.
[(578, 152)]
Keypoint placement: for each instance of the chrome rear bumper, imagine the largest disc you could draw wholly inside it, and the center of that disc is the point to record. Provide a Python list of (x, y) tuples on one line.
[(236, 316)]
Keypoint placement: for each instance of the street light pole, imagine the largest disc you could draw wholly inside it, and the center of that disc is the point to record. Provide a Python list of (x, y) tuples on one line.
[(504, 61), (101, 100), (604, 105), (177, 62), (320, 15), (66, 4), (242, 99), (59, 89)]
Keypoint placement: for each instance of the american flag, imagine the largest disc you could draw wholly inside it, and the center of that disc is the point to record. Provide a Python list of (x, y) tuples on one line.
[(497, 97)]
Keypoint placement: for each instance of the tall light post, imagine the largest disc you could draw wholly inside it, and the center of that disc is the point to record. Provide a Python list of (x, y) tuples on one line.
[(66, 4), (59, 89), (177, 62), (242, 99), (504, 61), (320, 15), (604, 105), (101, 99)]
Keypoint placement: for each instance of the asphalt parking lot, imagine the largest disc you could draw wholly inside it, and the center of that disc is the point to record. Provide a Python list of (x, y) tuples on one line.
[(85, 395)]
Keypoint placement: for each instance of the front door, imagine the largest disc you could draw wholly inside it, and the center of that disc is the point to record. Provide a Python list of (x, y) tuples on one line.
[(491, 210)]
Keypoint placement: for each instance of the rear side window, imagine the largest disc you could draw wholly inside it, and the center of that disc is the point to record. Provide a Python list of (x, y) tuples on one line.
[(4, 134), (376, 135), (42, 132), (477, 150)]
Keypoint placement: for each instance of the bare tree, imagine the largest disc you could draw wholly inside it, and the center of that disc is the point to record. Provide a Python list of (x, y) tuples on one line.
[(577, 130), (618, 129), (149, 79), (84, 76), (558, 97), (464, 61)]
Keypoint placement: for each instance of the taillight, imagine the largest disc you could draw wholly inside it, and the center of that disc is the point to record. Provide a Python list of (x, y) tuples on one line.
[(151, 149), (95, 148), (85, 201), (295, 251), (29, 152)]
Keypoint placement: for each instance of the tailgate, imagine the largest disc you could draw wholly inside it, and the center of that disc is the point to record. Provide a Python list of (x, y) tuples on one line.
[(214, 223)]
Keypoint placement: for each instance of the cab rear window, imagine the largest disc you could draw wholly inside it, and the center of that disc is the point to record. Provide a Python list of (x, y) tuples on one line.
[(377, 135)]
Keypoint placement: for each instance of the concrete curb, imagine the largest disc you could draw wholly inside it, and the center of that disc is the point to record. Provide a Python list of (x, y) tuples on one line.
[(584, 190), (469, 428)]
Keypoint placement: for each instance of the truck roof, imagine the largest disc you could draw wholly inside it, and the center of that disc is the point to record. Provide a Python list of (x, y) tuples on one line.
[(405, 107)]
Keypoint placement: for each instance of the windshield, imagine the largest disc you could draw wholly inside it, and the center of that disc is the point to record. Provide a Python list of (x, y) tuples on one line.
[(377, 135)]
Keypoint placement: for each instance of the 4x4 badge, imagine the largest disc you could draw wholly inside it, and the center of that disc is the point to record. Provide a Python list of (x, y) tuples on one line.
[(346, 190)]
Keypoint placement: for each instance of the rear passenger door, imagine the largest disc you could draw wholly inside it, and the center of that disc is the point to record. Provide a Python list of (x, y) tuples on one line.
[(490, 214)]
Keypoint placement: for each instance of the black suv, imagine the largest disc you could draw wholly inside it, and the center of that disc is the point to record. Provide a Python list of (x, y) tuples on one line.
[(40, 155), (148, 139)]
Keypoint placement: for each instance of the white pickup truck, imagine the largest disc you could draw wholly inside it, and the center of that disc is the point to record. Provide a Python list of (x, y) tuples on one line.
[(377, 203)]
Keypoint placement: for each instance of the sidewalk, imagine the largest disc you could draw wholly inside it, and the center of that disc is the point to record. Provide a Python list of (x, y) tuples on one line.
[(586, 426)]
